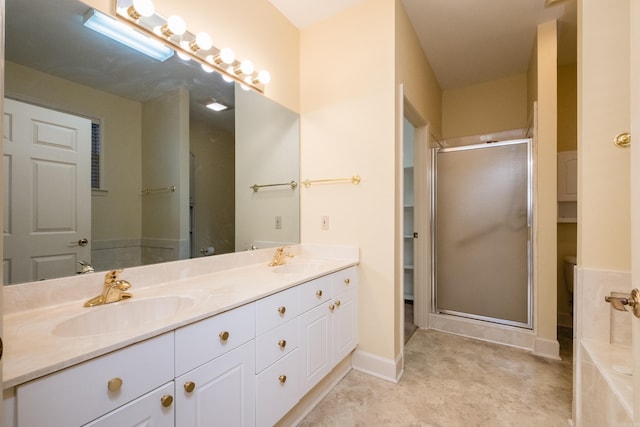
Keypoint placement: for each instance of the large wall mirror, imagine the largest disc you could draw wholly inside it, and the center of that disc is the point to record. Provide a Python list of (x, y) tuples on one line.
[(112, 158)]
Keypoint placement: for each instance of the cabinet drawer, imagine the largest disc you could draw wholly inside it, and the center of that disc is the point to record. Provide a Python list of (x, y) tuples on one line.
[(277, 389), (344, 280), (274, 344), (81, 393), (314, 293), (276, 309), (207, 339), (147, 410)]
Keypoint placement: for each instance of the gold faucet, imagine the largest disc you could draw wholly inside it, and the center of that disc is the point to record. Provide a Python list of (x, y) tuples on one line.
[(279, 257), (114, 290)]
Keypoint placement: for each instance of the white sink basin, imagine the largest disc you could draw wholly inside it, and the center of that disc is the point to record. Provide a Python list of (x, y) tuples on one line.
[(297, 268), (123, 315)]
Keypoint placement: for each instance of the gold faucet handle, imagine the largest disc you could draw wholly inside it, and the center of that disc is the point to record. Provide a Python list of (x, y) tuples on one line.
[(112, 276)]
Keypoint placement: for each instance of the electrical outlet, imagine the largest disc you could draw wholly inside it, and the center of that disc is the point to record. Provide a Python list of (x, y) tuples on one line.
[(324, 222), (278, 222)]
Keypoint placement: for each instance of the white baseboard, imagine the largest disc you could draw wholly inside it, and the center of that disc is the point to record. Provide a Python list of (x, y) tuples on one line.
[(547, 348), (386, 369)]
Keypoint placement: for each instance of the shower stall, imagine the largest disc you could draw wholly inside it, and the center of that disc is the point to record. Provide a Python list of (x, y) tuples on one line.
[(481, 225)]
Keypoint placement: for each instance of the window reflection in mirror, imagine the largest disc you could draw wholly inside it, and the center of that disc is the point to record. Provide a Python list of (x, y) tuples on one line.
[(156, 134)]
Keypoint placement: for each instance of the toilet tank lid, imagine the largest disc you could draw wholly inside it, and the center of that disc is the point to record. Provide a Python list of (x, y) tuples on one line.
[(570, 259)]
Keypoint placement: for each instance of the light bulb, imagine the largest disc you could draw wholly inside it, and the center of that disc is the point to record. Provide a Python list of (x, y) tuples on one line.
[(248, 80), (244, 87), (246, 67), (227, 56), (202, 41), (206, 68), (175, 25), (227, 78), (264, 77), (140, 8), (183, 56)]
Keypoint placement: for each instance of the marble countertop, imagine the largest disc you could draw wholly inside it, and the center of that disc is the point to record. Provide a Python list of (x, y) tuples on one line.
[(34, 345)]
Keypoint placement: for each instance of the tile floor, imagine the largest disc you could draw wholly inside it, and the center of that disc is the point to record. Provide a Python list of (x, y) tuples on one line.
[(455, 381)]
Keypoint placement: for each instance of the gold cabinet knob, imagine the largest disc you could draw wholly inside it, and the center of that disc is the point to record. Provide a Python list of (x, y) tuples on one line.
[(114, 384), (319, 293), (224, 335), (338, 303), (189, 386), (622, 139), (282, 309), (347, 281), (332, 307), (166, 400), (282, 343), (282, 378)]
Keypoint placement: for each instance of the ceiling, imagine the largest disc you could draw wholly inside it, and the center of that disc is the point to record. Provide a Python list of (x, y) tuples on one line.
[(466, 41)]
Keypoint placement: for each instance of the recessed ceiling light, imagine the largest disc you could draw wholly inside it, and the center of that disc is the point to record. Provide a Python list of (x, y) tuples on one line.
[(215, 105)]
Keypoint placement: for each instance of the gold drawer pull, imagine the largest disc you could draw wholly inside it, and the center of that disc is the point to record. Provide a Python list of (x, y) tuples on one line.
[(282, 343), (283, 378), (319, 293), (189, 386), (332, 307), (347, 281), (114, 384), (224, 336), (166, 400), (282, 309), (338, 303)]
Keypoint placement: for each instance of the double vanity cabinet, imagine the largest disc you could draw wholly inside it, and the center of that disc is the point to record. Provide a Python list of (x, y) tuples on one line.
[(246, 366)]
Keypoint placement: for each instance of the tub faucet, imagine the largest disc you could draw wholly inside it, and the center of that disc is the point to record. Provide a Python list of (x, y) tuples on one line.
[(113, 291), (280, 257)]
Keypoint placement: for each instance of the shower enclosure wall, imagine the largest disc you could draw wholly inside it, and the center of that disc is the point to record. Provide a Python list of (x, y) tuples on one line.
[(481, 232)]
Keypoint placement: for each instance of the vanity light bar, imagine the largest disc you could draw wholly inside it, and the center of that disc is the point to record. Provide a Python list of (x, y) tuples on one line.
[(187, 45)]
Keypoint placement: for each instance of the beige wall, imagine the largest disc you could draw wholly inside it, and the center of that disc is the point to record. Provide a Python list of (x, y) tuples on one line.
[(545, 189), (567, 141), (267, 151), (485, 108), (214, 209), (120, 120), (423, 94), (165, 162), (604, 225), (348, 128)]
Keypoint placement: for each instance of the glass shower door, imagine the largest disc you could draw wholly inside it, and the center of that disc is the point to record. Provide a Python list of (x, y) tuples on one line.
[(482, 217)]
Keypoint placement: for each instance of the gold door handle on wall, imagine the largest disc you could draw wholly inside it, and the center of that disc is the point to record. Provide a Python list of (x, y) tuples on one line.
[(622, 139)]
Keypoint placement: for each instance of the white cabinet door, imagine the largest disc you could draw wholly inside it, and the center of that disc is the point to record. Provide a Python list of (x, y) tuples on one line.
[(344, 325), (153, 409), (220, 392), (278, 389), (316, 343)]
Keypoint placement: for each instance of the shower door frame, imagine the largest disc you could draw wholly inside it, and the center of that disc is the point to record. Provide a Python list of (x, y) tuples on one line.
[(433, 202)]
